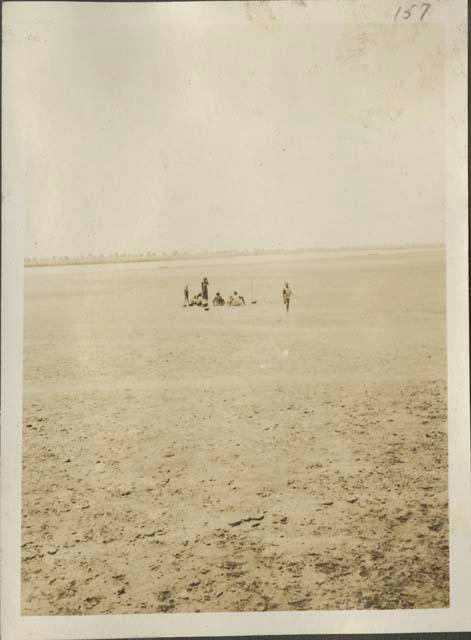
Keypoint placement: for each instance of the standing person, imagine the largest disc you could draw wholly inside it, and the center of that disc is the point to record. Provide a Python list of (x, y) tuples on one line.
[(204, 288), (187, 295), (287, 293)]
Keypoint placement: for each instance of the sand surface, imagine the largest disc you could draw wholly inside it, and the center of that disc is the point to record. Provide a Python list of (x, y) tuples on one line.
[(241, 459)]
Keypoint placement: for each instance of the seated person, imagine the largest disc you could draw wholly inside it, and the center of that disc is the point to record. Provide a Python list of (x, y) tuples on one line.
[(218, 300), (196, 300), (236, 300)]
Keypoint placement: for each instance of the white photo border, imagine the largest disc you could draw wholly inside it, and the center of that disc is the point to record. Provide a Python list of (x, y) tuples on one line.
[(453, 15)]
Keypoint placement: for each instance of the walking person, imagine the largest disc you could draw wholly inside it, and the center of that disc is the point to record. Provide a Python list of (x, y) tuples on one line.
[(287, 293), (187, 295)]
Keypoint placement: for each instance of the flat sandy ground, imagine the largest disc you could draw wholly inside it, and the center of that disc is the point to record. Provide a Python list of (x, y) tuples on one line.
[(240, 459)]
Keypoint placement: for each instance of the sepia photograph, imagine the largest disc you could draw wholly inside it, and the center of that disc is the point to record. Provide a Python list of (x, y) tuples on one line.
[(235, 367)]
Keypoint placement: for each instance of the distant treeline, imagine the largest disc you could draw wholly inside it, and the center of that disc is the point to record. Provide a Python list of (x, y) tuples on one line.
[(175, 255), (99, 259), (141, 257)]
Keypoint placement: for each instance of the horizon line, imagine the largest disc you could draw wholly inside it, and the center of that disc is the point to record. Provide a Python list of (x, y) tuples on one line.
[(150, 256)]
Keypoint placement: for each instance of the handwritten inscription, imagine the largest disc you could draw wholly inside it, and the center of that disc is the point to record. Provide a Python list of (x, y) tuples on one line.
[(413, 11)]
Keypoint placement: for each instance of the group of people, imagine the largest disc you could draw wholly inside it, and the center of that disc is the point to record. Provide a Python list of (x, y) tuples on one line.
[(236, 300), (201, 299)]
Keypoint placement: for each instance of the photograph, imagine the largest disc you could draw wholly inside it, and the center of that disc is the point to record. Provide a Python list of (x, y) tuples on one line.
[(235, 365)]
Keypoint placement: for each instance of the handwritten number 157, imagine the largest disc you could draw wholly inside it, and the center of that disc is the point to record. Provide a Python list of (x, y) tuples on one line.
[(406, 13)]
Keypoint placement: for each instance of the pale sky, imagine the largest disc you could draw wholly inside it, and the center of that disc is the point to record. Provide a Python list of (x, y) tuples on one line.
[(192, 127)]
